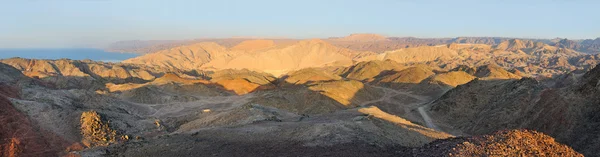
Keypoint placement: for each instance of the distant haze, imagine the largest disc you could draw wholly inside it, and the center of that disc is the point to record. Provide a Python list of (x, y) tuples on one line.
[(70, 53), (95, 23)]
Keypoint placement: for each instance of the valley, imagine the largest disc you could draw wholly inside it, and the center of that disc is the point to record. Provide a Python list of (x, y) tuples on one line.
[(361, 95)]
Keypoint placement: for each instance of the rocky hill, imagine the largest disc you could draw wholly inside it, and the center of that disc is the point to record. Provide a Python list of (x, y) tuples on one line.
[(68, 73), (453, 78), (406, 77), (20, 137), (369, 69), (568, 44), (309, 75), (516, 44), (8, 74), (566, 113), (501, 143), (464, 107), (494, 72)]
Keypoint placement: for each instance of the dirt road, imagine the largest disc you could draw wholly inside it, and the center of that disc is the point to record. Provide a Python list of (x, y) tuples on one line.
[(390, 93)]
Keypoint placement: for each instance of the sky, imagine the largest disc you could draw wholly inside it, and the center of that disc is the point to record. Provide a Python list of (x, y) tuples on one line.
[(96, 23)]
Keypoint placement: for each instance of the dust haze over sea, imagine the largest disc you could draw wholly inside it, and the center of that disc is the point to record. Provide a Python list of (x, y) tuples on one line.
[(70, 53)]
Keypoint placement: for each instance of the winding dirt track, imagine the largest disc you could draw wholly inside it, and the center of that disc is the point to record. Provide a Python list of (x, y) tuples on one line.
[(212, 103), (426, 118), (390, 93), (217, 103)]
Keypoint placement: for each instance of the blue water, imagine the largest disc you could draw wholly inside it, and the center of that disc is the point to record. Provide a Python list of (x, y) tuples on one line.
[(70, 53)]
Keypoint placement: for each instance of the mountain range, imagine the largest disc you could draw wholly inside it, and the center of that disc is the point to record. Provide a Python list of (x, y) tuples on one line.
[(531, 58), (359, 42), (360, 95)]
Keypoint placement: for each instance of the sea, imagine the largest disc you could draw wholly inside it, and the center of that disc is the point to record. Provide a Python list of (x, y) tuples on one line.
[(69, 53)]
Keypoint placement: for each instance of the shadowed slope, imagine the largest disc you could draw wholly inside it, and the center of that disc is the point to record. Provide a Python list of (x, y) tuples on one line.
[(19, 136), (569, 114), (470, 107)]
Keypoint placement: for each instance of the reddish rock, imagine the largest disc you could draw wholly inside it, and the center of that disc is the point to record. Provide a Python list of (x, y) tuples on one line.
[(502, 143), (18, 136)]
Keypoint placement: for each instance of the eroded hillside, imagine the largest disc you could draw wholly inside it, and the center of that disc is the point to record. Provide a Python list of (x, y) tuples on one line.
[(301, 98)]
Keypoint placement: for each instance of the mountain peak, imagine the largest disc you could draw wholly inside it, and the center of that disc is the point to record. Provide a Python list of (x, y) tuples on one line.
[(516, 44), (364, 37), (568, 44), (250, 45)]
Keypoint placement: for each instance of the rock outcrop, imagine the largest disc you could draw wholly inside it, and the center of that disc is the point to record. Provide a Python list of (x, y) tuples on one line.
[(95, 131), (501, 143)]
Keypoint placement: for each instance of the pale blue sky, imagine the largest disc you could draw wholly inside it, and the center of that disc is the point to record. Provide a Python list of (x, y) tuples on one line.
[(88, 23)]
